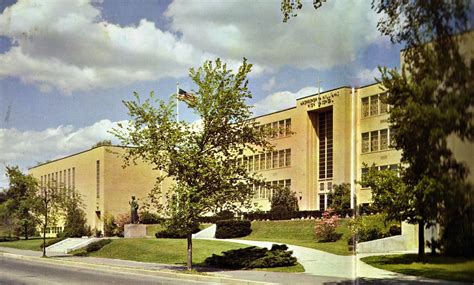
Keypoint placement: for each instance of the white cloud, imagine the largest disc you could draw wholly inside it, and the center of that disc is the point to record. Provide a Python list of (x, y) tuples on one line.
[(269, 85), (25, 148), (367, 76), (66, 45), (281, 100), (332, 35)]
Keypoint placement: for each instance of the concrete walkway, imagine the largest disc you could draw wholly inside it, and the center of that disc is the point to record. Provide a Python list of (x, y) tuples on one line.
[(324, 264)]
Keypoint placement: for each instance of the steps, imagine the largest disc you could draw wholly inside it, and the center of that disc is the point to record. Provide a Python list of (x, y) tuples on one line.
[(70, 244), (209, 232)]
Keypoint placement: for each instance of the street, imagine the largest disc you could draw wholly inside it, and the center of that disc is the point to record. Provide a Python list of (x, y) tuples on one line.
[(15, 271)]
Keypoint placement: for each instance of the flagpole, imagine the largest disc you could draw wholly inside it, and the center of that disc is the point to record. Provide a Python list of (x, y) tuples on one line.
[(177, 101)]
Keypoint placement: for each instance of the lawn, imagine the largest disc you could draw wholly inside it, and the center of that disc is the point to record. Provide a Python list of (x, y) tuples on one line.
[(301, 232), (31, 244), (171, 251), (438, 267)]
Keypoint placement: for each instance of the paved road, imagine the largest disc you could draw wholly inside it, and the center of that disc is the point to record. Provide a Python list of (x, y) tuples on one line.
[(15, 271)]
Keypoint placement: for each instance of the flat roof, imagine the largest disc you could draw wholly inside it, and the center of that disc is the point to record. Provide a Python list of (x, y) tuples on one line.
[(77, 153)]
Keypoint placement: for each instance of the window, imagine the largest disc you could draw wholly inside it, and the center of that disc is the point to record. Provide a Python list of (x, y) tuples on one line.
[(262, 161), (393, 133), (73, 178), (281, 158), (275, 159), (288, 157), (269, 160), (393, 167), (383, 103), (383, 139), (321, 202), (281, 128), (321, 186), (256, 163), (325, 145), (288, 127), (98, 178), (364, 172), (374, 141), (329, 186), (365, 107), (275, 129), (374, 105), (288, 183), (365, 142)]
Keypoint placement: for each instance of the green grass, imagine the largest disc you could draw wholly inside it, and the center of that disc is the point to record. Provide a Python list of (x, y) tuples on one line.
[(295, 268), (31, 244), (299, 232), (437, 267)]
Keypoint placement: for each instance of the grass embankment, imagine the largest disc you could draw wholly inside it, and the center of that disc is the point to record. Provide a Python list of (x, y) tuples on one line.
[(171, 251), (30, 244), (437, 267), (301, 233), (152, 229)]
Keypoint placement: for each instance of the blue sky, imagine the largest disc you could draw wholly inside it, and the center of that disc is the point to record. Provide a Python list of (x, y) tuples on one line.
[(65, 66)]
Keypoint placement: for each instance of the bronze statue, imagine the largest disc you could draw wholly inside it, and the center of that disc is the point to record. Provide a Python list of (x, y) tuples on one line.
[(133, 210)]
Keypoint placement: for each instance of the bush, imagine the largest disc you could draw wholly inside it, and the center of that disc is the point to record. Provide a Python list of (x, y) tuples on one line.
[(284, 198), (325, 229), (253, 257), (110, 227), (395, 230), (97, 245), (148, 218), (50, 242), (233, 228), (280, 213), (121, 221), (76, 223), (7, 238), (172, 232), (225, 215)]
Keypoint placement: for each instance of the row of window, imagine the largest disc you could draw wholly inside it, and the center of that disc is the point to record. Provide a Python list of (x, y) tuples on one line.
[(374, 105), (269, 160), (365, 170), (53, 230), (378, 140), (266, 192), (64, 178), (280, 129)]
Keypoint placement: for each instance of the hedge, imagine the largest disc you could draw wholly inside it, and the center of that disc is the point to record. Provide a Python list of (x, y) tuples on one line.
[(233, 228), (97, 245), (171, 232), (50, 242)]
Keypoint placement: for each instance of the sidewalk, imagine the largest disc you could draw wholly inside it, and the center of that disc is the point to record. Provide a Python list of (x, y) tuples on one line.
[(321, 268)]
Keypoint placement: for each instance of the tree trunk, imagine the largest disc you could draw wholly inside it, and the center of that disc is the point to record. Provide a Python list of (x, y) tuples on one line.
[(44, 232), (421, 240), (26, 230), (190, 252)]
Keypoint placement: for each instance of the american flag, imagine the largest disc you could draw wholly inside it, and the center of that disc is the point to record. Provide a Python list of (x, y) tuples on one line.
[(185, 96)]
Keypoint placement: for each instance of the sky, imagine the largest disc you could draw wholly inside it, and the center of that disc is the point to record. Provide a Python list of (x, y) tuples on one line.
[(66, 66)]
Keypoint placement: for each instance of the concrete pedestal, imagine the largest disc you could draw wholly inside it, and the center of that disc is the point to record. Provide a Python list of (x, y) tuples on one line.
[(134, 231)]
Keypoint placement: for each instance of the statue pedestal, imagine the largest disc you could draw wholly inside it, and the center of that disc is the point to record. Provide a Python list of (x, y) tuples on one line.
[(134, 231)]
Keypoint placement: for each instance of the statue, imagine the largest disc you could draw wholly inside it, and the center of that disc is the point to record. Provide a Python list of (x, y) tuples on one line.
[(133, 210)]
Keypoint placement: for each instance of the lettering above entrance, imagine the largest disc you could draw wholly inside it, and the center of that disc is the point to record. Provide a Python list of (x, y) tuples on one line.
[(319, 101)]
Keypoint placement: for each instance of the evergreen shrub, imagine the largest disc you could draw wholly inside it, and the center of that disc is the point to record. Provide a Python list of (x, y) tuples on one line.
[(253, 257), (97, 245), (233, 228)]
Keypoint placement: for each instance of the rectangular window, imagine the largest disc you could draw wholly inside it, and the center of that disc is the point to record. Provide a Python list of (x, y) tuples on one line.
[(383, 167), (262, 161), (365, 107), (268, 156), (329, 186), (256, 162), (281, 158), (364, 172), (374, 105), (275, 159), (365, 142), (288, 157), (383, 139), (251, 163), (383, 103), (275, 129), (281, 128), (73, 178), (374, 141), (98, 178), (321, 187), (321, 202), (288, 183), (288, 127), (325, 145), (60, 180), (393, 132)]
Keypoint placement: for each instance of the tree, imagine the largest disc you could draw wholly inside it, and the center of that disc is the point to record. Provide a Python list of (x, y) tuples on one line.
[(18, 204), (204, 161), (102, 143), (75, 218), (283, 202), (46, 205), (340, 198)]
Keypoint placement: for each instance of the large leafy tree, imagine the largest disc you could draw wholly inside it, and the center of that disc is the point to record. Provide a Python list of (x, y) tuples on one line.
[(205, 159)]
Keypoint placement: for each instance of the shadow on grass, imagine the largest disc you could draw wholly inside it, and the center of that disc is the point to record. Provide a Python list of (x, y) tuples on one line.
[(373, 281), (412, 258)]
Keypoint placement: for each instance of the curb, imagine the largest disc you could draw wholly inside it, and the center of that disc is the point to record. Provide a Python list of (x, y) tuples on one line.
[(137, 271)]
